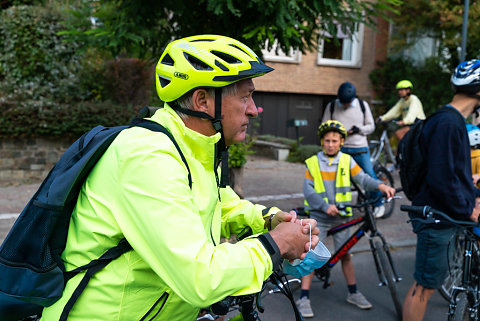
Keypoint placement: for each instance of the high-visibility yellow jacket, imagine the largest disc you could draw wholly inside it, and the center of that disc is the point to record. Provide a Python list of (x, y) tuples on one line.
[(343, 195), (139, 190)]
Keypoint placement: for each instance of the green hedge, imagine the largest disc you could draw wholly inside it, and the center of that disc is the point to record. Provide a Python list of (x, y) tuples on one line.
[(27, 120)]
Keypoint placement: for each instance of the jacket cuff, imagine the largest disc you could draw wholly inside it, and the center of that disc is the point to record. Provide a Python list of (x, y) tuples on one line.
[(272, 249)]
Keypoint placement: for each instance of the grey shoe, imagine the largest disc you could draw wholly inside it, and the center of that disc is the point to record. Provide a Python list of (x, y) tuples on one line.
[(304, 307), (359, 300)]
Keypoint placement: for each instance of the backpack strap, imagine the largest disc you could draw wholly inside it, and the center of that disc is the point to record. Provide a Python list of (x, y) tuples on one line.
[(92, 268), (362, 105), (154, 126), (332, 106)]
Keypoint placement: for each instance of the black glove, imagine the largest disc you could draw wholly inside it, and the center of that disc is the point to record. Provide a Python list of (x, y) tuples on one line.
[(354, 130)]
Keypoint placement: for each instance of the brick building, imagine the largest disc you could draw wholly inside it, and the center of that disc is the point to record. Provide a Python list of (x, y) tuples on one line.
[(302, 85)]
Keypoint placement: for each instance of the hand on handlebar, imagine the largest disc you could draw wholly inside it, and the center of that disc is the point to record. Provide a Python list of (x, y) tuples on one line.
[(388, 191), (332, 210)]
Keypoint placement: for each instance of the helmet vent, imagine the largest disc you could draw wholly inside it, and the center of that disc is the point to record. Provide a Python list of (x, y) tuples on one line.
[(197, 63), (226, 57), (221, 66), (204, 39), (167, 60), (163, 81), (237, 47)]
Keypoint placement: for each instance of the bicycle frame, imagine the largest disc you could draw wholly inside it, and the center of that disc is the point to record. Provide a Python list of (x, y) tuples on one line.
[(379, 146), (369, 228), (470, 280)]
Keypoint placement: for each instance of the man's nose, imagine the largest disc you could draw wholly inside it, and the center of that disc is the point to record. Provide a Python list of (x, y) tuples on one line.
[(252, 110)]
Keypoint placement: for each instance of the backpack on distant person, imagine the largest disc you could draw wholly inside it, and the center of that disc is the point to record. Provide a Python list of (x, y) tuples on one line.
[(332, 107), (32, 274), (411, 158)]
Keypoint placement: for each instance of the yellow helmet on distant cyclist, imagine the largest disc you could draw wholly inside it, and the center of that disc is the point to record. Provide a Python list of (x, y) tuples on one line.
[(404, 84), (332, 126)]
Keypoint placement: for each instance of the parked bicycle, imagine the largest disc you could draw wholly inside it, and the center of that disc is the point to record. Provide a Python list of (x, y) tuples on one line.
[(381, 151), (464, 295), (385, 268)]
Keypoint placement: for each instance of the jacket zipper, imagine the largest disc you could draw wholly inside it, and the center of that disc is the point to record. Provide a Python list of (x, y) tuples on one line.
[(165, 294)]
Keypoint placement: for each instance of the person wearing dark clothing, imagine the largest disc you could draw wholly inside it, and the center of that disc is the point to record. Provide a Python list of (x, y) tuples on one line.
[(445, 140), (447, 186)]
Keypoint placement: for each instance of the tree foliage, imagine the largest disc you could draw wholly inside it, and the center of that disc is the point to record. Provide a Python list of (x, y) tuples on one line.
[(443, 20), (141, 28)]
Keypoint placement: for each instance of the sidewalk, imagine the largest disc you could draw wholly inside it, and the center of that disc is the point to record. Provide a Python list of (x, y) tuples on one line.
[(266, 181)]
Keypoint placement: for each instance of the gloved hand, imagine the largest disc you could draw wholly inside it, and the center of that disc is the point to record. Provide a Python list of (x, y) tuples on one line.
[(354, 130)]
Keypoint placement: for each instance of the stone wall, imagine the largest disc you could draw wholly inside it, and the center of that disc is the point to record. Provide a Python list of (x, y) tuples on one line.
[(29, 159)]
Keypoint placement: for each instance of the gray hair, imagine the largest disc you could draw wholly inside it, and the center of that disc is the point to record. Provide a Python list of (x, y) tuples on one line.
[(186, 101)]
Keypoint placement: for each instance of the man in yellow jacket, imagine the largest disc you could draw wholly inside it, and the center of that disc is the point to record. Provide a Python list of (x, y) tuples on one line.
[(139, 190)]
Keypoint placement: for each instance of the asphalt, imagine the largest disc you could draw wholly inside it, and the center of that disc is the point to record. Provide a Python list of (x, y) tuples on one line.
[(265, 181)]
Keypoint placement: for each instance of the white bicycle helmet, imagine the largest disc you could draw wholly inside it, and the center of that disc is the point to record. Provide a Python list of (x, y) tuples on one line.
[(473, 135), (466, 77)]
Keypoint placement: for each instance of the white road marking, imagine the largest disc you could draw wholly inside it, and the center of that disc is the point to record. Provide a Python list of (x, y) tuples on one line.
[(8, 216), (274, 197)]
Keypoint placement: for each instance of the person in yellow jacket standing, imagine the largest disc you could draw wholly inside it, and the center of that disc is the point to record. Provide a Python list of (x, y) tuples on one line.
[(327, 184), (139, 190), (474, 138)]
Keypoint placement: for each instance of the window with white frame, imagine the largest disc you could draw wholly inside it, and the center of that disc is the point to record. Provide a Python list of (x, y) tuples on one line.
[(293, 56), (346, 52)]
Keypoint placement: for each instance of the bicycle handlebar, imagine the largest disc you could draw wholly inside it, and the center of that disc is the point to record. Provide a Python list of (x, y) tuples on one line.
[(429, 212), (372, 201)]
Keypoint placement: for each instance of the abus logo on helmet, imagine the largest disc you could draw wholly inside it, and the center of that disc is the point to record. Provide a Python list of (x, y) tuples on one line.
[(180, 75)]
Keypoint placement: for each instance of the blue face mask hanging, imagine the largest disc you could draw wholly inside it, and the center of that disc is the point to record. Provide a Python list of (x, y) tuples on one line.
[(314, 259)]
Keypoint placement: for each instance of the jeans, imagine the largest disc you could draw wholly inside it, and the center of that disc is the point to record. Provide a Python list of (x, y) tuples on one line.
[(363, 160)]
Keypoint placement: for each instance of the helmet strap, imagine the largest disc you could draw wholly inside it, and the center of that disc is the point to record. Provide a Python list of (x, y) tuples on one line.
[(221, 149)]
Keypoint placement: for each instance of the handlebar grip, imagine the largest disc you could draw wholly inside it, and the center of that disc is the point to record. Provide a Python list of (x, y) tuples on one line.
[(414, 209), (398, 190)]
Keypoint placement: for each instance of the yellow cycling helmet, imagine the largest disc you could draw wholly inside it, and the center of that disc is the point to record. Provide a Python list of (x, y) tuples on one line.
[(332, 125), (204, 61), (404, 84)]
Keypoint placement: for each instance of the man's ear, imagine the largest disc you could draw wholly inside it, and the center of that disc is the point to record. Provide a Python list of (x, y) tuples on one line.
[(342, 141), (200, 100)]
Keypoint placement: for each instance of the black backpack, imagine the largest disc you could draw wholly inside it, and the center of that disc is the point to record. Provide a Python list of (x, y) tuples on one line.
[(411, 157), (32, 275)]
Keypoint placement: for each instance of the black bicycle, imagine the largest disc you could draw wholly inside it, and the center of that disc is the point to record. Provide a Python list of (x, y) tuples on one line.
[(465, 294), (385, 268)]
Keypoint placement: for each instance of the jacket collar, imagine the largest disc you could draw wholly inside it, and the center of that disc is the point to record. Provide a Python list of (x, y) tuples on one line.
[(201, 147)]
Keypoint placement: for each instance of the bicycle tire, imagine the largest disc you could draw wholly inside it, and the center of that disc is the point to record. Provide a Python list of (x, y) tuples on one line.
[(384, 175), (455, 267), (461, 310), (389, 278)]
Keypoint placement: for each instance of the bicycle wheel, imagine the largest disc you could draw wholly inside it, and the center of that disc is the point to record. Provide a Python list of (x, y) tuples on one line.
[(462, 309), (455, 266), (384, 175), (389, 279)]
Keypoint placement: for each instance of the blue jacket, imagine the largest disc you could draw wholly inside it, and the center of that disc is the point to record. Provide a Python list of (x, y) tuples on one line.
[(448, 184)]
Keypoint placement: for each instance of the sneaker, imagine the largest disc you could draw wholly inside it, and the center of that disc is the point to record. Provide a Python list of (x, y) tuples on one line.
[(304, 307), (379, 211), (359, 300)]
